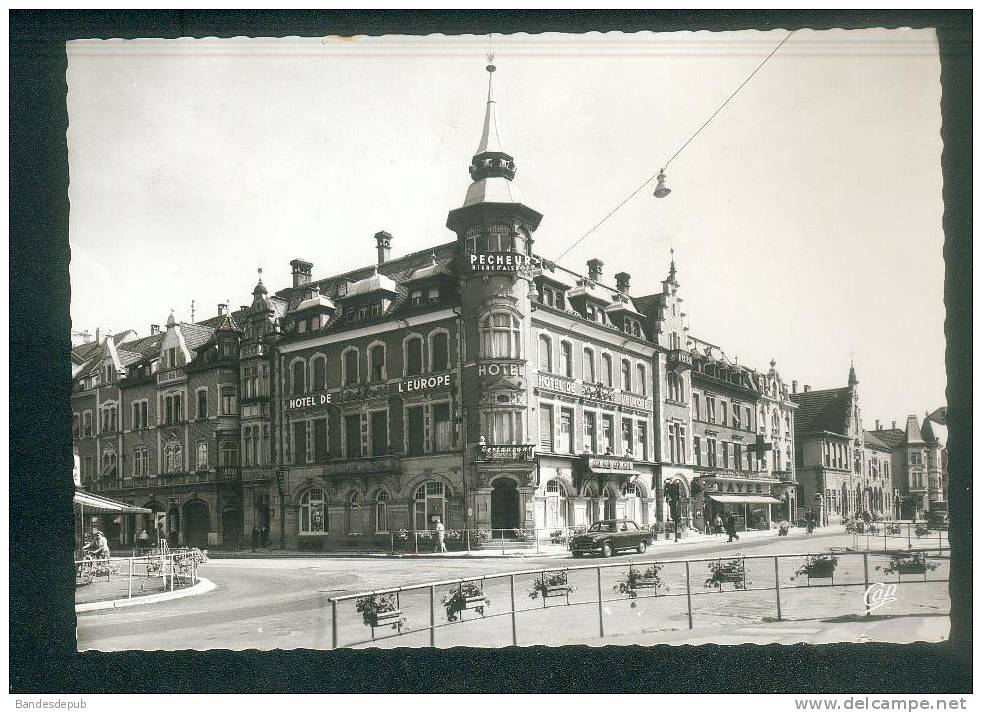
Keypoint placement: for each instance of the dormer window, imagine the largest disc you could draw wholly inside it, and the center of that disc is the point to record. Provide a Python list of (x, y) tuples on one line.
[(349, 316), (301, 326), (416, 298), (375, 309), (591, 312), (434, 294)]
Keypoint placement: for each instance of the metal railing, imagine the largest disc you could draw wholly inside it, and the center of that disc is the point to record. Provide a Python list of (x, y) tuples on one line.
[(173, 570), (891, 533), (652, 588)]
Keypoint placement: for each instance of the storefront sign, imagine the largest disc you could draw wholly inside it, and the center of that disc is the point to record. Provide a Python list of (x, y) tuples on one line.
[(631, 401), (305, 401), (505, 453), (556, 384), (497, 369), (499, 262), (424, 383), (606, 464), (360, 467)]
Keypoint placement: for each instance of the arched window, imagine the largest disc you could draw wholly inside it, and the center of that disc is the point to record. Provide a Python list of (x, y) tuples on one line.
[(376, 361), (298, 371), (202, 455), (607, 370), (589, 366), (545, 353), (566, 359), (439, 352), (625, 375), (413, 354), (320, 374), (429, 503), (350, 366), (500, 336), (642, 385), (230, 453), (381, 511), (312, 518)]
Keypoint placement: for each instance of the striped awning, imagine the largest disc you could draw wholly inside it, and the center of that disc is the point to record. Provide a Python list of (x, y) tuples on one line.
[(747, 499), (91, 504)]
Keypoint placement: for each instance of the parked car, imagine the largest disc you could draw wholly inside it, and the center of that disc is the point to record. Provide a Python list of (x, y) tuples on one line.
[(609, 536)]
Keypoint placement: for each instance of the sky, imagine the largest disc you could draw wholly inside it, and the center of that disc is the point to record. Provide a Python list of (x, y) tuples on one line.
[(805, 218)]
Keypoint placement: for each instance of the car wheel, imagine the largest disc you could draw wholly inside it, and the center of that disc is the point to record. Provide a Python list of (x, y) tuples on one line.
[(642, 546), (608, 549)]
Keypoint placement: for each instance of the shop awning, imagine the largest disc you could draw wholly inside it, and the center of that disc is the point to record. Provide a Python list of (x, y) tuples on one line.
[(744, 499), (91, 504)]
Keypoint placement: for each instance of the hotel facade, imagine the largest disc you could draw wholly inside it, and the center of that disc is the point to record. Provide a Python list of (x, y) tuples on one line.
[(474, 383)]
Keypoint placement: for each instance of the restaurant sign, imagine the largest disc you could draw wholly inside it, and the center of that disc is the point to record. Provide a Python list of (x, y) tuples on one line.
[(486, 452), (509, 263)]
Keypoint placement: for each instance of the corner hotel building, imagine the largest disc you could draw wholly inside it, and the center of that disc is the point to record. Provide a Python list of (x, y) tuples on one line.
[(473, 381)]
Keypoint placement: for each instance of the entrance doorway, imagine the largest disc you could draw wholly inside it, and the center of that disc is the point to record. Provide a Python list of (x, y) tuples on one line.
[(196, 524), (505, 506), (231, 527)]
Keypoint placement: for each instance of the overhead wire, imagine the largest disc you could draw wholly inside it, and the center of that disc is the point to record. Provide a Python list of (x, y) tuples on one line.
[(681, 148)]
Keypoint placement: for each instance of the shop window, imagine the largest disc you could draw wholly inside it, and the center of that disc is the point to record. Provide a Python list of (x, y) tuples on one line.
[(312, 513), (429, 504)]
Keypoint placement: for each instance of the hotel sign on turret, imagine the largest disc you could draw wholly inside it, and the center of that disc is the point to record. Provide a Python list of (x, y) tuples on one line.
[(507, 262)]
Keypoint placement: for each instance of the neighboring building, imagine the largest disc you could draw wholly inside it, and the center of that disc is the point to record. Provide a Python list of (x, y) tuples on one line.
[(918, 457), (835, 462)]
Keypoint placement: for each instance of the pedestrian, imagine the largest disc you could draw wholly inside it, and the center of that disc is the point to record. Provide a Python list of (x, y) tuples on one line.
[(441, 546), (718, 525), (731, 527), (264, 539), (255, 537), (143, 539), (98, 545)]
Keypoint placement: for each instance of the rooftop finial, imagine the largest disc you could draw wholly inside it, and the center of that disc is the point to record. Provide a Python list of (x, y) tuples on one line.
[(490, 68), (671, 268)]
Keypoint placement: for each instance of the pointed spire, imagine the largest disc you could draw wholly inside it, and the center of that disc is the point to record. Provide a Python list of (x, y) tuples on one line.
[(260, 288), (491, 159), (672, 272), (852, 373), (170, 320)]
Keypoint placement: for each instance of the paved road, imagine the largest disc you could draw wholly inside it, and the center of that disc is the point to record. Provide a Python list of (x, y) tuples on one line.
[(283, 602)]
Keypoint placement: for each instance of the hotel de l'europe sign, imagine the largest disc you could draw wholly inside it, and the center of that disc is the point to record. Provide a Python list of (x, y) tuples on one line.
[(594, 392), (409, 385)]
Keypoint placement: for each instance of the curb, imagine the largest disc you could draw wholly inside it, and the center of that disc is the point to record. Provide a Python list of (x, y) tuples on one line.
[(202, 587)]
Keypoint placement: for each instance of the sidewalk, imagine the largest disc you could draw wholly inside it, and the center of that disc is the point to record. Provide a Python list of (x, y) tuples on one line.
[(490, 552)]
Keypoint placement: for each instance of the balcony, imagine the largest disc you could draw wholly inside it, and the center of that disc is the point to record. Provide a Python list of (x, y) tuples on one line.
[(229, 473)]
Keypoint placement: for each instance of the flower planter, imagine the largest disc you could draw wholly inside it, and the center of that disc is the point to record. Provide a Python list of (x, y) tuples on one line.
[(823, 571), (912, 568)]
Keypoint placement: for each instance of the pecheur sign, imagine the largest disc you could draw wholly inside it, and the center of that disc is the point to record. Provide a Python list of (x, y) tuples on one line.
[(498, 262)]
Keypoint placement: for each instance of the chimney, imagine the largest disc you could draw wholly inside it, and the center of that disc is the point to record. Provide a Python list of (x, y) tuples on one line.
[(301, 271), (243, 307), (894, 425), (154, 329), (877, 428), (623, 282), (383, 243), (98, 337), (596, 269), (794, 386), (807, 388), (222, 308)]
